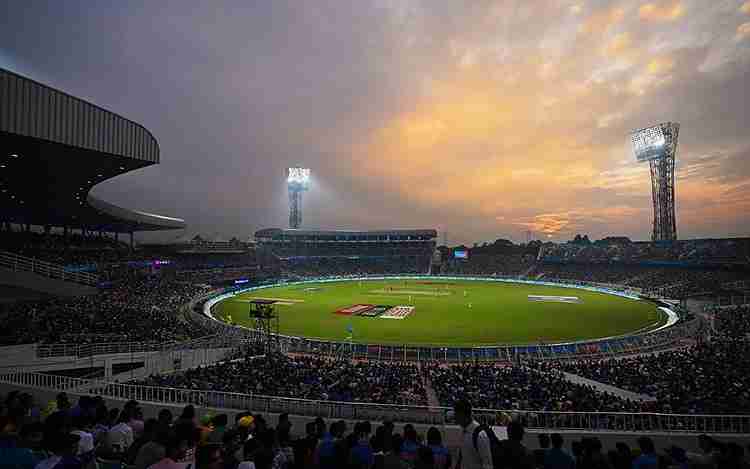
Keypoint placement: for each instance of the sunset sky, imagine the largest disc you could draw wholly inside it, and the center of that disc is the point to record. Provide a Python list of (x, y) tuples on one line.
[(481, 118)]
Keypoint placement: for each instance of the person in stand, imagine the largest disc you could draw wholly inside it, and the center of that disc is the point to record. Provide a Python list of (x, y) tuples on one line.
[(647, 459), (410, 446), (556, 457), (512, 451), (175, 449), (541, 452), (441, 455), (63, 447), (209, 456), (471, 455)]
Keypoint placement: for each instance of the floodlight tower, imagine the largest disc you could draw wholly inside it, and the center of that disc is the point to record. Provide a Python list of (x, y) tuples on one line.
[(658, 146), (297, 181)]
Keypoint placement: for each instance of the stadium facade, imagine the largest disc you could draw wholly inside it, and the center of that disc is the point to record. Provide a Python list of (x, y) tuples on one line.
[(412, 248), (54, 148)]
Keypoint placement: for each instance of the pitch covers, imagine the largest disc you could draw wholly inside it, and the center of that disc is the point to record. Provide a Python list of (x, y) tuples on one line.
[(398, 312), (375, 311)]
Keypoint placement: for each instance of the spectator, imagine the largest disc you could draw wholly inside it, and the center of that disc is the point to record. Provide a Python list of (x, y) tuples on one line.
[(647, 459), (148, 435), (361, 455), (81, 429), (155, 450), (441, 455), (12, 452), (425, 459), (174, 451), (119, 437), (512, 451), (409, 446), (209, 457), (63, 448), (623, 458), (557, 457), (165, 418), (475, 451), (540, 452), (592, 455)]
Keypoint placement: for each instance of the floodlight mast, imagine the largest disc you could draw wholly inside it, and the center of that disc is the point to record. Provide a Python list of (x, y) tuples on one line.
[(298, 180), (658, 146)]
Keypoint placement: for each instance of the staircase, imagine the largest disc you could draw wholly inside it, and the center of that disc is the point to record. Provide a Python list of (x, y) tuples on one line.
[(432, 399)]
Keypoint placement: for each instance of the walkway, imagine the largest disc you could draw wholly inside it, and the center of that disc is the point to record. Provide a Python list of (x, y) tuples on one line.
[(619, 392)]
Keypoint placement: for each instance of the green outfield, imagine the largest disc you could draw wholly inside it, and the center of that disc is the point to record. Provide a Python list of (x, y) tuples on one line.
[(458, 313)]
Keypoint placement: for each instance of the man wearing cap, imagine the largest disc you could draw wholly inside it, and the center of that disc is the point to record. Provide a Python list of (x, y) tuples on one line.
[(245, 426)]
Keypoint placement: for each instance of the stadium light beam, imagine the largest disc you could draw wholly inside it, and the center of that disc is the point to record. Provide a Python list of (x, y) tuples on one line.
[(657, 145), (297, 181)]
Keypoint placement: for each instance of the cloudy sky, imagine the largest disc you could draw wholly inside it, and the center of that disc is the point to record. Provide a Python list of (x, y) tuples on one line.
[(481, 118)]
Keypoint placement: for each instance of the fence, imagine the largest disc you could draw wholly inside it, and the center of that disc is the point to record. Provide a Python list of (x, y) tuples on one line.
[(88, 350), (602, 421), (19, 263)]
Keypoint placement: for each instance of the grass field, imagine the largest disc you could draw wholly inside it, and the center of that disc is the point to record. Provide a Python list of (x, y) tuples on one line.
[(458, 313)]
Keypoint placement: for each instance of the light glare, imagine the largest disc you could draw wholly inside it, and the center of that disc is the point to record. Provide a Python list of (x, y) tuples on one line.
[(298, 175)]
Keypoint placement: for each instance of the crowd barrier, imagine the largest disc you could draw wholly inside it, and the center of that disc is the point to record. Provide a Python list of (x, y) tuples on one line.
[(19, 263), (88, 350), (594, 421)]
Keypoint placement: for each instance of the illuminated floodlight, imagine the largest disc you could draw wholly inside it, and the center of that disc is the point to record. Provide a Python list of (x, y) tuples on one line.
[(648, 143), (297, 181), (299, 176), (657, 145)]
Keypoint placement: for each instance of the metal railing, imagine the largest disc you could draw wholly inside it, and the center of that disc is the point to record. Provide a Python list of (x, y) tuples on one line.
[(603, 421), (88, 350), (18, 263)]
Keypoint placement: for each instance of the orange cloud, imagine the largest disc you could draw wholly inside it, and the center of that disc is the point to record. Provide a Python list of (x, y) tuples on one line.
[(745, 8), (573, 221), (619, 44), (602, 20), (660, 66), (743, 31), (661, 12)]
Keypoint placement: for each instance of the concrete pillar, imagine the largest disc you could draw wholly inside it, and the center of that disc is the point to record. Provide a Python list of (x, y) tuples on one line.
[(117, 237)]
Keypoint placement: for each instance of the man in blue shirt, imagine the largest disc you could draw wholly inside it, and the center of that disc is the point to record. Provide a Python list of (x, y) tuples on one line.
[(556, 457), (647, 459), (361, 455)]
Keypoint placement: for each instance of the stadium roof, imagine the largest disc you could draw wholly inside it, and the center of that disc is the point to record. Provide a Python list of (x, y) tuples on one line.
[(54, 148)]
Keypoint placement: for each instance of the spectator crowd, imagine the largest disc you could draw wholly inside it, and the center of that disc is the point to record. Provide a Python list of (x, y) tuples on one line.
[(305, 377), (91, 434), (144, 308)]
